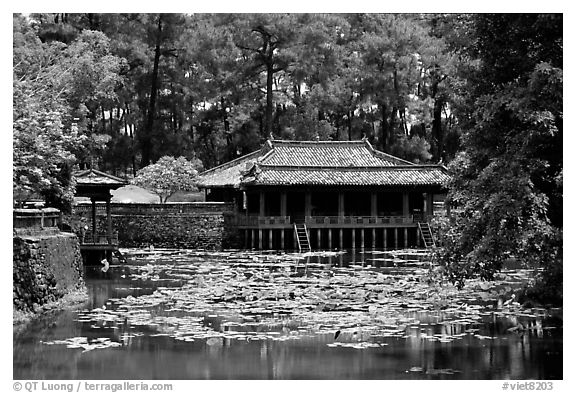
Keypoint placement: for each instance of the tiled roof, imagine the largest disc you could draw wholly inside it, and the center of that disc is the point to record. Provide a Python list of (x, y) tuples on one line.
[(320, 163), (323, 153), (228, 174), (417, 175), (92, 177)]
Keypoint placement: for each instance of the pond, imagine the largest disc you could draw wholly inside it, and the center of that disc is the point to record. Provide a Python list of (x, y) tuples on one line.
[(182, 314)]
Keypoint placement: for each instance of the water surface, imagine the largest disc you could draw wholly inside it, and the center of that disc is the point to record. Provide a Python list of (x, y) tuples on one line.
[(175, 314)]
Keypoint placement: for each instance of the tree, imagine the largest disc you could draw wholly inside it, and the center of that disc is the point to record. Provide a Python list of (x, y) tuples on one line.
[(507, 183), (54, 86), (167, 176)]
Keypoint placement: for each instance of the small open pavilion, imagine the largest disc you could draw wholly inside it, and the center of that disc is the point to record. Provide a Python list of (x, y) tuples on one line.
[(327, 194), (95, 243)]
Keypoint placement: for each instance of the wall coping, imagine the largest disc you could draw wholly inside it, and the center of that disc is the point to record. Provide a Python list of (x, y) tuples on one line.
[(167, 204), (33, 212)]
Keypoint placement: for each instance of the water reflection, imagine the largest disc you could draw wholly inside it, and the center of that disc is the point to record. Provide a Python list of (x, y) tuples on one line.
[(173, 319)]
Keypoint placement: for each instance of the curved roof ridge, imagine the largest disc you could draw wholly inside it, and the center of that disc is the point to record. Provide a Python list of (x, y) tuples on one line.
[(386, 156), (351, 168), (294, 142), (231, 163), (92, 171)]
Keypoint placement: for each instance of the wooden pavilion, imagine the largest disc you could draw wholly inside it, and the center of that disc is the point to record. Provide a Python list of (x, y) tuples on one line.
[(325, 195), (97, 243)]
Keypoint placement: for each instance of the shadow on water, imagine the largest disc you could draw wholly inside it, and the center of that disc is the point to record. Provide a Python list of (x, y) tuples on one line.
[(237, 315)]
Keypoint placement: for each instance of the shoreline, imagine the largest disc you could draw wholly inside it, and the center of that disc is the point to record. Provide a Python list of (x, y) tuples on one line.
[(20, 318)]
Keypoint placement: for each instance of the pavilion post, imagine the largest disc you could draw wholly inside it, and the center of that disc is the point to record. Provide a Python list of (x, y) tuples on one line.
[(262, 204), (260, 238), (307, 204), (405, 237), (108, 220), (373, 204), (385, 233), (405, 205), (93, 219), (270, 239), (283, 204), (340, 204)]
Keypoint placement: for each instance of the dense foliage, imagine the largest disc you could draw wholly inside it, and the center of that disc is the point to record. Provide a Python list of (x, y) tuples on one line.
[(167, 176), (57, 88), (507, 182), (216, 86), (482, 93)]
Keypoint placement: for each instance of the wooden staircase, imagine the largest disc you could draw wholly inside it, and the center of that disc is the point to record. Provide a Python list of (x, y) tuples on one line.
[(301, 233), (427, 235)]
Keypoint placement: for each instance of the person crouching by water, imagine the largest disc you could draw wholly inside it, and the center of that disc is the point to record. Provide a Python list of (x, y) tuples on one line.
[(106, 266)]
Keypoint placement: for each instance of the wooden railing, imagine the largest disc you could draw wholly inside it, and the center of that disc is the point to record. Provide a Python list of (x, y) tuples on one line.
[(136, 209), (256, 221), (311, 220), (35, 218), (101, 238)]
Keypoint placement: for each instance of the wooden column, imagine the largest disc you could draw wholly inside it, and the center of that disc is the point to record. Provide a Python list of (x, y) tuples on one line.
[(353, 238), (259, 239), (282, 245), (396, 237), (405, 237), (108, 220), (93, 219), (385, 238), (283, 204), (319, 232), (330, 239), (253, 238), (374, 204), (340, 204), (373, 237), (245, 238), (430, 204), (307, 204), (295, 241), (405, 204), (341, 238), (262, 204), (270, 240), (362, 238), (417, 238)]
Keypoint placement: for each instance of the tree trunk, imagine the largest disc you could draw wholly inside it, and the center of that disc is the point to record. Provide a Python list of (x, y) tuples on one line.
[(269, 101), (103, 119), (146, 136), (392, 126), (384, 137), (437, 134), (349, 115)]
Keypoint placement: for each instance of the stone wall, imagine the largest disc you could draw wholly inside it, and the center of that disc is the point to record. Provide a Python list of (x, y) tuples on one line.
[(46, 266), (198, 225)]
